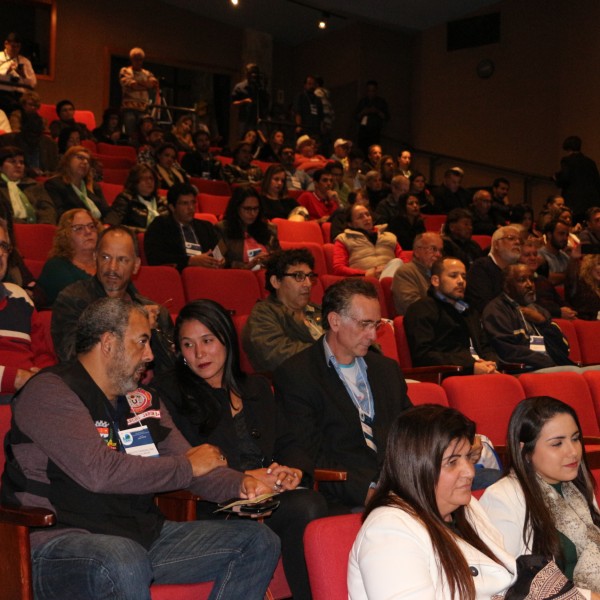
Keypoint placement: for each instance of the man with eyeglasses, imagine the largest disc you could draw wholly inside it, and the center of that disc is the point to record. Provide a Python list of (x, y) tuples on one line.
[(295, 179), (443, 329), (484, 278), (23, 346), (411, 282), (286, 322), (340, 397)]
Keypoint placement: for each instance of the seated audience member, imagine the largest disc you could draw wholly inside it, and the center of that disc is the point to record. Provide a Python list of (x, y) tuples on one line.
[(139, 203), (411, 282), (29, 103), (241, 170), (23, 346), (354, 177), (275, 200), (485, 222), (545, 292), (566, 215), (216, 403), (340, 187), (340, 397), (200, 162), (295, 179), (15, 67), (307, 158), (322, 202), (458, 230), (362, 249), (485, 275), (408, 223), (522, 214), (110, 131), (374, 154), (545, 505), (245, 237), (553, 251), (501, 207), (423, 535), (269, 152), (341, 150), (117, 260), (389, 208), (286, 322), (179, 239), (145, 125), (583, 288), (182, 134), (65, 111), (147, 152), (69, 438), (450, 195), (67, 138), (428, 202), (254, 138), (404, 160), (22, 199), (339, 219), (41, 153), (590, 235), (442, 329), (554, 204), (73, 253), (374, 188), (387, 170), (167, 169), (520, 330), (74, 187)]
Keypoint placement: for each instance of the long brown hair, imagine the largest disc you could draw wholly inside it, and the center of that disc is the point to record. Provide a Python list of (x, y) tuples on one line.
[(63, 166), (524, 427), (62, 245), (416, 444)]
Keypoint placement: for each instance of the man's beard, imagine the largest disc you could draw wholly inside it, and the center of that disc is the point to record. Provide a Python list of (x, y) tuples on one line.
[(125, 378)]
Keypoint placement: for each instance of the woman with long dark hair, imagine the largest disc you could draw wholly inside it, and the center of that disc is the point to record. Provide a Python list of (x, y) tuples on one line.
[(409, 223), (545, 502), (423, 537), (276, 202), (245, 237), (212, 401)]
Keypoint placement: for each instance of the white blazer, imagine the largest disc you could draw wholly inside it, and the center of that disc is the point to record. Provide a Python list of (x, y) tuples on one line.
[(393, 557), (504, 504)]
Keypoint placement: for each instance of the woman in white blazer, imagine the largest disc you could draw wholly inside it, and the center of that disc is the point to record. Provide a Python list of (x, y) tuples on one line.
[(424, 537), (545, 504)]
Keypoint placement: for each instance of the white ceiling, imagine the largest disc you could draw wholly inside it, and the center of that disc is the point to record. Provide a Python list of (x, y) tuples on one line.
[(292, 24)]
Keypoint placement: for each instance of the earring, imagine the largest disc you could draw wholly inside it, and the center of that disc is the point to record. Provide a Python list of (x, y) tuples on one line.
[(185, 362)]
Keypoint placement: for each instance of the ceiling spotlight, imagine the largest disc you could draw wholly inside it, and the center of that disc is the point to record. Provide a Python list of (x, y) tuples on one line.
[(323, 20), (235, 2)]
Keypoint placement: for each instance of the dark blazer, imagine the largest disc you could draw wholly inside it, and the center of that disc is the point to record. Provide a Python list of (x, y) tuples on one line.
[(64, 197), (264, 420), (127, 210), (327, 424), (484, 283), (164, 245)]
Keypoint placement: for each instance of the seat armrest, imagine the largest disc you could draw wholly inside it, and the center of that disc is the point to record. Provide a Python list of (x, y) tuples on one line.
[(433, 374), (27, 516)]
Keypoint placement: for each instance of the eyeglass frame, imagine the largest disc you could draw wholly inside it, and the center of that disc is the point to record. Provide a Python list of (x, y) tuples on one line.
[(300, 276), (81, 227), (365, 324)]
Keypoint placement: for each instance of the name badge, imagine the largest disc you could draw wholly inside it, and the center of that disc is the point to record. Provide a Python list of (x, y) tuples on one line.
[(314, 110), (192, 249), (138, 441), (536, 343)]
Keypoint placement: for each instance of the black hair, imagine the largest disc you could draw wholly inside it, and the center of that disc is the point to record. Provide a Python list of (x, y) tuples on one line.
[(279, 261), (259, 230)]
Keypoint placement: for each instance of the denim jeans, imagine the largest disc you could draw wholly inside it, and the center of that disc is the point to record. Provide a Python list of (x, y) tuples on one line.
[(239, 557)]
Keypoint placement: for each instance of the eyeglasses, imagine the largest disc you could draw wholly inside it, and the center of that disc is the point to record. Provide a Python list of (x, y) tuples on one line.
[(83, 227), (433, 249), (512, 238), (365, 324), (300, 276), (5, 248), (250, 208)]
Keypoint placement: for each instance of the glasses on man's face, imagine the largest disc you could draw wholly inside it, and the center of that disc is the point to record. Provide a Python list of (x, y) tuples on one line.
[(512, 238), (365, 324), (5, 248), (433, 249), (300, 276), (83, 227)]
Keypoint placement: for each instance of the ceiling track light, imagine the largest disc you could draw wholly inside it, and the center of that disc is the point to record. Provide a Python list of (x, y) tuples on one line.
[(322, 24), (235, 2), (323, 21)]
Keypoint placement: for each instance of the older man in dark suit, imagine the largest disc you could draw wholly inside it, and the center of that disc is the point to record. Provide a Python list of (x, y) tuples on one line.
[(340, 397)]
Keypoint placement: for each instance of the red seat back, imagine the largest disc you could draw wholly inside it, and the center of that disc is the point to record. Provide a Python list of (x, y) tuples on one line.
[(113, 150), (34, 240), (570, 333), (404, 357), (483, 241), (571, 388), (434, 222), (326, 229), (315, 249), (161, 284), (387, 340), (588, 334), (109, 161), (486, 399), (592, 378), (235, 289), (209, 186), (110, 191), (386, 288), (86, 117), (210, 203), (327, 545), (298, 231), (427, 393), (118, 176)]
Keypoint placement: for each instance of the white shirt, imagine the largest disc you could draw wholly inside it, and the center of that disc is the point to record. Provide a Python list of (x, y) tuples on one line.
[(7, 65)]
